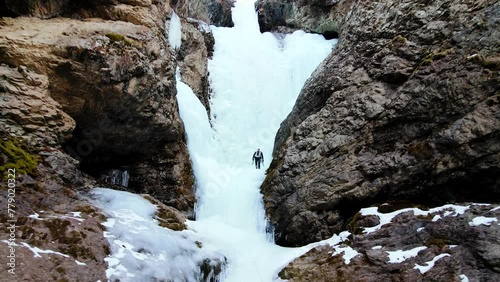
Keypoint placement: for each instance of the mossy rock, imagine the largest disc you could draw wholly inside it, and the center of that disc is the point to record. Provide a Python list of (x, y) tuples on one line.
[(398, 42), (57, 227), (115, 37), (16, 154), (78, 251), (492, 63), (430, 58)]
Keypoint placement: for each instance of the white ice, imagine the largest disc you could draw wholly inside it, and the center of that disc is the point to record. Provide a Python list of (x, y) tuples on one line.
[(255, 79), (174, 31)]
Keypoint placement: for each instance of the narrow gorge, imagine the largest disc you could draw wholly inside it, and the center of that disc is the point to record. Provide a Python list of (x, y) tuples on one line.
[(128, 126)]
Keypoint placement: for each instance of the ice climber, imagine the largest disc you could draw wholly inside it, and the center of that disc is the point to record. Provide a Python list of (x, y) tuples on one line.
[(257, 158)]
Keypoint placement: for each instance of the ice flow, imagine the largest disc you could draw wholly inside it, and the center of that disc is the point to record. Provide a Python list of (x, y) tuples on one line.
[(255, 79)]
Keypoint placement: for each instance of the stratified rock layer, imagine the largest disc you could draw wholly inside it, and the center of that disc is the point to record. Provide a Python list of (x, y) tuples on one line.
[(216, 12), (405, 107)]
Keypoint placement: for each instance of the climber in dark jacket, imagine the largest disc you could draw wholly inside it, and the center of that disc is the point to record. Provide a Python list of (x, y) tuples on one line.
[(257, 158)]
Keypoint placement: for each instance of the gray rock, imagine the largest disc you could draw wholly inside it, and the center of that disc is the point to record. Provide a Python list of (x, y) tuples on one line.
[(406, 107), (313, 16), (468, 250), (213, 12)]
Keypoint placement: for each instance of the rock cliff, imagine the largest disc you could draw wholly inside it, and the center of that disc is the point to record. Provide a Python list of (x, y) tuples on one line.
[(87, 88), (405, 108)]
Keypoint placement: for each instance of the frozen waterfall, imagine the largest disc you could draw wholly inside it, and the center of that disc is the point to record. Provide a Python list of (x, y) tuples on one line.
[(255, 80)]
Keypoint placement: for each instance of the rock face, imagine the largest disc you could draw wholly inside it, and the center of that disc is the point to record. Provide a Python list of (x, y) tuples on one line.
[(216, 12), (116, 79), (380, 258), (28, 110), (59, 236), (405, 107), (197, 46), (87, 88), (318, 16)]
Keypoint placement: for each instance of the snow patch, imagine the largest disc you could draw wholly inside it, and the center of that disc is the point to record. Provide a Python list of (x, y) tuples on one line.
[(481, 220), (35, 216), (335, 242), (399, 256), (376, 247), (76, 214), (349, 253), (430, 264), (79, 263), (464, 278), (73, 215), (36, 251), (141, 248), (385, 218)]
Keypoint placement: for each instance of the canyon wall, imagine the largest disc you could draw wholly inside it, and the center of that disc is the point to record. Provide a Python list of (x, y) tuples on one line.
[(403, 113), (87, 88)]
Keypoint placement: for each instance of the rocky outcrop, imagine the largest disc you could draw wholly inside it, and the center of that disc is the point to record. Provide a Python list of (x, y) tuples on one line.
[(197, 46), (29, 111), (116, 80), (319, 16), (405, 107), (403, 249), (215, 12), (58, 235)]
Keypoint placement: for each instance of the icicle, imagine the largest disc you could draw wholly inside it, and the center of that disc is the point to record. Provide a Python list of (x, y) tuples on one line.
[(175, 32)]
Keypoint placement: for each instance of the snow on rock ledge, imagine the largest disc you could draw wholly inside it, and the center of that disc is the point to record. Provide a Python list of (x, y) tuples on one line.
[(407, 245), (140, 247)]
